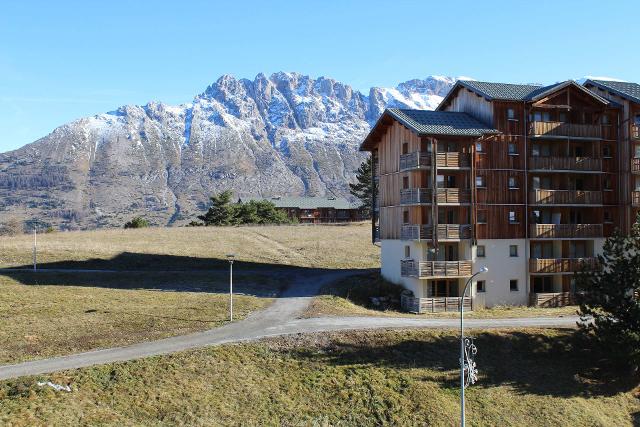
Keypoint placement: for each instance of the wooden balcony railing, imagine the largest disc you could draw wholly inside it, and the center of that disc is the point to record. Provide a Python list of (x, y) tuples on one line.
[(434, 305), (552, 299), (453, 195), (635, 131), (560, 265), (443, 232), (376, 233), (565, 129), (453, 160), (565, 231), (415, 160), (423, 269), (415, 196), (565, 197), (565, 163), (635, 199), (635, 165)]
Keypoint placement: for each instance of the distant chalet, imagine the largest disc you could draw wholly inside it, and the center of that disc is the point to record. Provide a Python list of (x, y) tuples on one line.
[(316, 210)]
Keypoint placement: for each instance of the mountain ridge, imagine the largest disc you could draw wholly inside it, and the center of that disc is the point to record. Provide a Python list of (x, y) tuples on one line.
[(286, 134)]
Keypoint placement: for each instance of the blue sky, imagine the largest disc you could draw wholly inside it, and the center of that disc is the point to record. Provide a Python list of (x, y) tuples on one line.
[(63, 60)]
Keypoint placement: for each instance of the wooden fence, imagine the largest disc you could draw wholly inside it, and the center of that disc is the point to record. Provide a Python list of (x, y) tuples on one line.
[(434, 305)]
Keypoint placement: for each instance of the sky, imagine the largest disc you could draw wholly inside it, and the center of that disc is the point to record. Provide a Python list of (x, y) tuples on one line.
[(63, 60)]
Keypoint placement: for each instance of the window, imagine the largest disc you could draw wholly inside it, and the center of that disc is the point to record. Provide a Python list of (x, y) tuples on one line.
[(480, 182), (513, 285), (405, 182), (562, 117), (606, 150), (480, 286), (482, 216), (479, 147), (405, 148), (607, 216), (405, 217), (513, 149), (407, 251), (607, 183), (511, 114), (605, 119), (513, 250), (513, 218), (513, 182), (535, 150), (480, 251), (541, 116)]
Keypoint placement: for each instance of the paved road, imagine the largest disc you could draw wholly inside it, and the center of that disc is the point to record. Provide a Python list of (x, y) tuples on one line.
[(281, 318)]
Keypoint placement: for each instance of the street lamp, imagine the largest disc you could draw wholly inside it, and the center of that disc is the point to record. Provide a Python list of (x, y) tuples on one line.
[(230, 257), (462, 344)]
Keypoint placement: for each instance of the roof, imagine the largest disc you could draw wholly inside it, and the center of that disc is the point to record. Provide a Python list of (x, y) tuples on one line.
[(513, 92), (426, 122), (630, 91), (302, 202)]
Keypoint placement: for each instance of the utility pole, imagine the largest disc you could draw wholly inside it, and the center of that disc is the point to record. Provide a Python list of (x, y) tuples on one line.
[(230, 257)]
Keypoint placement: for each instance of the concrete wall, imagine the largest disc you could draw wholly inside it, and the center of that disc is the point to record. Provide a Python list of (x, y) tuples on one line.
[(391, 253), (502, 269)]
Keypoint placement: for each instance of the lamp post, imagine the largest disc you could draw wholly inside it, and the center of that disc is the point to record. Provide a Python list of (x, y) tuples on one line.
[(462, 345), (230, 257)]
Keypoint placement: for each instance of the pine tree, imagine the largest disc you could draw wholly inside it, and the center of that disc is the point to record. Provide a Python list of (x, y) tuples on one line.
[(365, 188), (222, 211), (609, 303)]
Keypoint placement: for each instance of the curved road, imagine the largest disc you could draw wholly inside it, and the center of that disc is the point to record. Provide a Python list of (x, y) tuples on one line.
[(280, 318)]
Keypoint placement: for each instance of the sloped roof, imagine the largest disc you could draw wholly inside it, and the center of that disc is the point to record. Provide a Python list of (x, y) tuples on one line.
[(630, 91), (302, 202)]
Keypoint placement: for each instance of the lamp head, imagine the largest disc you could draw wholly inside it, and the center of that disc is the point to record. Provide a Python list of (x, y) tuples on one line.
[(230, 257), (483, 269)]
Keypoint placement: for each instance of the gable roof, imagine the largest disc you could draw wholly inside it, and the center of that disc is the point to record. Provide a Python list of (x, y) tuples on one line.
[(630, 91), (311, 202), (513, 92), (426, 122)]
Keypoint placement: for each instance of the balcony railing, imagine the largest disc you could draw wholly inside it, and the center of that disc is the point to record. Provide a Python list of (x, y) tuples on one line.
[(453, 195), (565, 197), (453, 160), (552, 299), (635, 199), (415, 196), (435, 304), (560, 265), (443, 232), (565, 163), (565, 231), (565, 129), (635, 131), (635, 165), (424, 269), (415, 160)]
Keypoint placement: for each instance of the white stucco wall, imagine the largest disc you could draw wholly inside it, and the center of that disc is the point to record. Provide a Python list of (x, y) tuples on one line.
[(502, 269), (391, 253)]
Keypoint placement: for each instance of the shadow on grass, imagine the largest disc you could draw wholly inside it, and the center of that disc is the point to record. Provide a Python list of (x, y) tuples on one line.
[(130, 270), (531, 363)]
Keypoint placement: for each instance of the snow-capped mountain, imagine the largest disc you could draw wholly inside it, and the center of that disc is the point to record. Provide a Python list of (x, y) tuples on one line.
[(283, 134)]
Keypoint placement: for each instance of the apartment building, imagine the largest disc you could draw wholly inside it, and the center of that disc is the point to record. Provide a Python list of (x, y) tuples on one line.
[(526, 180)]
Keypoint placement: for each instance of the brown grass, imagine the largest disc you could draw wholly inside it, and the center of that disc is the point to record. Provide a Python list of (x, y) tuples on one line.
[(368, 378)]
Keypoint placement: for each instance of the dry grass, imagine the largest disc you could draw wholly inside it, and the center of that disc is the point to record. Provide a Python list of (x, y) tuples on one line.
[(370, 378), (198, 247), (350, 297), (58, 314)]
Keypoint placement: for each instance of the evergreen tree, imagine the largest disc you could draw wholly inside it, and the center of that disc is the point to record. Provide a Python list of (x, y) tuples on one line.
[(137, 222), (365, 188), (222, 211), (609, 303)]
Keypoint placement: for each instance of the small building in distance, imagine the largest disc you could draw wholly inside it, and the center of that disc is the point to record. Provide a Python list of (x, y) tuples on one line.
[(317, 210)]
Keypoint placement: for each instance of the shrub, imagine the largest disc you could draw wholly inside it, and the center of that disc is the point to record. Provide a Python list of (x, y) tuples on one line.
[(137, 222)]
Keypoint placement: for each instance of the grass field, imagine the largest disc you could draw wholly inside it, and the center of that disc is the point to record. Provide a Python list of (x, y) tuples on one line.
[(336, 246), (351, 297), (371, 378)]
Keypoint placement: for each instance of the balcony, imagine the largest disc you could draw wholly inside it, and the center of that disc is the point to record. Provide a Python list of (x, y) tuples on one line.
[(453, 160), (561, 129), (560, 265), (635, 165), (415, 196), (427, 269), (635, 199), (552, 299), (565, 231), (565, 197), (453, 195), (579, 164), (443, 232), (415, 160), (434, 305), (635, 131)]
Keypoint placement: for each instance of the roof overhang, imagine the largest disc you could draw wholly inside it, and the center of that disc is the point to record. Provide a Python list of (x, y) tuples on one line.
[(611, 90)]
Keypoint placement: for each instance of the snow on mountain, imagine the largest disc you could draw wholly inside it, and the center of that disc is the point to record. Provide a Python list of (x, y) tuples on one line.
[(286, 134)]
